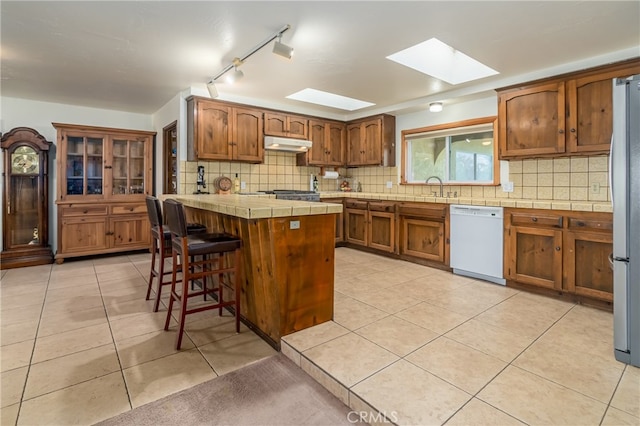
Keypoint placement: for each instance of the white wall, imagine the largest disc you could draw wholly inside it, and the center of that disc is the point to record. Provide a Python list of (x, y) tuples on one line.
[(39, 116), (166, 115)]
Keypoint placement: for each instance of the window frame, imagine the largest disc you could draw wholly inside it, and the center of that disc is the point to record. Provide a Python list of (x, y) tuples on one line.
[(408, 133)]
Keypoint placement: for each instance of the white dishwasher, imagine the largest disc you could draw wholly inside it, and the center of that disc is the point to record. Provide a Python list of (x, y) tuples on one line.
[(476, 240)]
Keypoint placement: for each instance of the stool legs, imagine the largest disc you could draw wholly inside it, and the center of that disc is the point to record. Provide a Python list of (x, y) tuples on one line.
[(207, 270), (158, 248)]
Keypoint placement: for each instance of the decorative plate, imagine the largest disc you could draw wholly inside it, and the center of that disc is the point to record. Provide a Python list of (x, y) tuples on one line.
[(224, 183)]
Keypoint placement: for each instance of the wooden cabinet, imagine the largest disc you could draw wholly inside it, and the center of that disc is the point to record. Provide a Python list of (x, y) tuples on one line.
[(424, 232), (328, 138), (339, 219), (104, 175), (287, 125), (564, 115), (222, 131), (170, 159), (371, 224), (562, 251), (371, 141), (588, 242)]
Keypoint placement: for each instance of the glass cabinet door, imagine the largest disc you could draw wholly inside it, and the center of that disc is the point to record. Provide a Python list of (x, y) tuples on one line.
[(128, 167), (84, 165)]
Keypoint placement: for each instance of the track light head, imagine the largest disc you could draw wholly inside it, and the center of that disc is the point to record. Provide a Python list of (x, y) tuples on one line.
[(234, 76), (279, 48), (213, 91)]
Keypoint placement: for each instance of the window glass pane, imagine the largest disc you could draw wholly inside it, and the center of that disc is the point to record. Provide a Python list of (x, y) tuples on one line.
[(428, 158)]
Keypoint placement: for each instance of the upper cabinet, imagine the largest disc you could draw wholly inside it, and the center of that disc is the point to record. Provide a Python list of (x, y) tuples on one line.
[(371, 141), (103, 164), (286, 125), (328, 138), (565, 115), (223, 132)]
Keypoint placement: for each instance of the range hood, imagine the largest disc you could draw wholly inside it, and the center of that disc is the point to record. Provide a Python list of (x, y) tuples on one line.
[(275, 143)]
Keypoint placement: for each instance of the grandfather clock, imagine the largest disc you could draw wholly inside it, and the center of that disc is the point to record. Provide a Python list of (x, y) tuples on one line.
[(25, 197)]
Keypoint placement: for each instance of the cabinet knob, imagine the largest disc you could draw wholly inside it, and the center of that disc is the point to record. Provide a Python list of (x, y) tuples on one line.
[(561, 131), (573, 130), (535, 219), (558, 248)]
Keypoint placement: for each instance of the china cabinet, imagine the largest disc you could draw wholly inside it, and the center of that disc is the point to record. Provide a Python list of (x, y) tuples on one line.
[(170, 152), (25, 194), (104, 175)]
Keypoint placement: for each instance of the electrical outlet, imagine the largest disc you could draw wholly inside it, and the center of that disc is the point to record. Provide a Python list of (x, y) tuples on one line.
[(243, 185), (389, 184), (294, 224), (595, 188), (507, 187)]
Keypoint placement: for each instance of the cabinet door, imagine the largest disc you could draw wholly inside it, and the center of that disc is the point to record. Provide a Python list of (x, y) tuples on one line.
[(317, 135), (356, 226), (382, 231), (535, 256), (87, 235), (422, 238), (587, 270), (334, 144), (275, 124), (213, 131), (83, 155), (297, 127), (532, 121), (372, 147), (355, 138), (339, 219), (590, 113), (130, 162), (130, 231), (247, 141)]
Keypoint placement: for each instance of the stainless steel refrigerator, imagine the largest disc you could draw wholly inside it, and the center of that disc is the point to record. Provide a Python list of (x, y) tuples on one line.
[(625, 196)]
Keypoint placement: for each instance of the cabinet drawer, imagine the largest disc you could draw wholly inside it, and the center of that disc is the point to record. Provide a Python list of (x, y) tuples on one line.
[(128, 209), (87, 210), (431, 211), (382, 207), (530, 219), (587, 224), (356, 204)]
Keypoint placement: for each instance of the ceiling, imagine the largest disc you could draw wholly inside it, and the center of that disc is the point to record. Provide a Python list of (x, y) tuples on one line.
[(136, 56)]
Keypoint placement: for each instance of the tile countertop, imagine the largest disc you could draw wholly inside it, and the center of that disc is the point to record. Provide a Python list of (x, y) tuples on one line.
[(254, 206), (588, 206)]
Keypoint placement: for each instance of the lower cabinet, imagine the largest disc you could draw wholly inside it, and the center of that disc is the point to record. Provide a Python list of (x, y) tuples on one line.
[(371, 224), (561, 250), (89, 229), (423, 231)]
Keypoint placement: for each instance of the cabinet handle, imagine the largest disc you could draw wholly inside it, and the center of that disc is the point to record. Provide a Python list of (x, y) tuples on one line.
[(558, 248), (561, 131), (573, 130), (85, 211), (535, 219)]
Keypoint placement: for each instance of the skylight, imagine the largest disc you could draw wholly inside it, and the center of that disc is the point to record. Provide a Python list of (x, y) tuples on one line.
[(439, 60), (329, 99)]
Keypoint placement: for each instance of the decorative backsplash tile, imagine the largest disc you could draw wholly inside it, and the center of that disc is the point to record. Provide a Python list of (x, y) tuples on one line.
[(560, 179)]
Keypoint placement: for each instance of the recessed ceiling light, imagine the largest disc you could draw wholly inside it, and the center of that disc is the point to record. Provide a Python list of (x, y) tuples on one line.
[(319, 97), (439, 60)]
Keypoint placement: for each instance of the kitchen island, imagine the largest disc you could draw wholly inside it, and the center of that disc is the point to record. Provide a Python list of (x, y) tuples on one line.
[(288, 257)]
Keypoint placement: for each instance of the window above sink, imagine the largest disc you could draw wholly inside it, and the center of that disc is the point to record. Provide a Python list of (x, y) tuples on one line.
[(463, 152)]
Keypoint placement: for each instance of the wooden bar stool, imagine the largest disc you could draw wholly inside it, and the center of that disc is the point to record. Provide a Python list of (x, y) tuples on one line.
[(161, 246), (215, 251)]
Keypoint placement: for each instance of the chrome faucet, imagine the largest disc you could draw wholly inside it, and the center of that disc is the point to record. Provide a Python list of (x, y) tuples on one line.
[(439, 180)]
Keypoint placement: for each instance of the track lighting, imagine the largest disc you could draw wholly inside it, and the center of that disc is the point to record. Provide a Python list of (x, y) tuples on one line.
[(435, 106), (279, 48), (213, 91)]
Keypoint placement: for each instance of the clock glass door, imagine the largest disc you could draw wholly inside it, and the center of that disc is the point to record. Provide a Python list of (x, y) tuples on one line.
[(22, 212)]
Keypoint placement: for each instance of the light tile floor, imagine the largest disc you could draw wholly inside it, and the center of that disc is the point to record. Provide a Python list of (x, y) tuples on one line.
[(80, 344), (426, 347)]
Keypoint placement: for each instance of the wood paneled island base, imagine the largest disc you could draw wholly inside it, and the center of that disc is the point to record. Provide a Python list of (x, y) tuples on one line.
[(287, 276)]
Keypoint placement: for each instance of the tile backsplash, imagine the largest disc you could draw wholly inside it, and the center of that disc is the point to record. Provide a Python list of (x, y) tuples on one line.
[(560, 179)]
